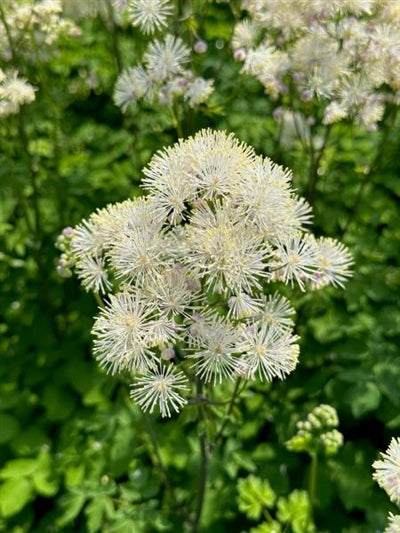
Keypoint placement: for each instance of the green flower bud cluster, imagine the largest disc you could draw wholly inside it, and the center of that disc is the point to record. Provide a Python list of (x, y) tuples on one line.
[(318, 433), (67, 260)]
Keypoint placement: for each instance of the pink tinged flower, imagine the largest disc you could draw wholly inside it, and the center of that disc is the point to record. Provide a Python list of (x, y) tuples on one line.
[(200, 47)]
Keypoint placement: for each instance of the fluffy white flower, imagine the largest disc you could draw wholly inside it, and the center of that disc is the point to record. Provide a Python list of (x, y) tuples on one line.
[(268, 352), (334, 263), (192, 262), (149, 15), (122, 334), (394, 524), (91, 270), (132, 84), (166, 58), (198, 91), (276, 312), (295, 260), (161, 388), (223, 250), (214, 345), (387, 470)]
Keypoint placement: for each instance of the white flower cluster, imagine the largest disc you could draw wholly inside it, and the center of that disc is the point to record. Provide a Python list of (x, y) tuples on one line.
[(188, 268), (387, 475), (34, 26), (162, 78), (344, 53), (14, 92)]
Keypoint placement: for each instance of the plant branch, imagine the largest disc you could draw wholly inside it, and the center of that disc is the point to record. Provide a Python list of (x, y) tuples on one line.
[(203, 470), (227, 416), (160, 463), (315, 159), (312, 484), (375, 165)]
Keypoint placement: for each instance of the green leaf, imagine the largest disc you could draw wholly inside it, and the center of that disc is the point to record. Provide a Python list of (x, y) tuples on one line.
[(255, 494), (72, 504), (9, 426), (18, 468), (44, 485), (295, 510), (267, 527), (365, 397), (94, 512), (74, 475), (14, 495)]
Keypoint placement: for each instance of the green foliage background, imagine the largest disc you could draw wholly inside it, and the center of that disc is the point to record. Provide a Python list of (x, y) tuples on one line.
[(75, 453)]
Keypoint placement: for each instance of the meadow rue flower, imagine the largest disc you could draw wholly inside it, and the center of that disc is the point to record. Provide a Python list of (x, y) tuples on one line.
[(213, 346), (268, 352), (394, 524), (149, 15), (342, 54), (122, 333), (162, 388), (132, 84), (162, 77), (387, 470), (186, 270), (41, 22), (198, 91), (166, 58), (14, 92)]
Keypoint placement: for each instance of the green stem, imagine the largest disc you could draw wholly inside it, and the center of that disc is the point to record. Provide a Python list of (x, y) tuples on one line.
[(312, 484), (177, 123), (227, 416), (114, 36), (160, 463), (374, 166), (98, 299), (8, 33), (315, 159), (203, 470)]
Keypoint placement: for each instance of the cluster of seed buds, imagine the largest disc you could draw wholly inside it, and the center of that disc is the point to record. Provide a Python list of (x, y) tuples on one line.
[(66, 261), (318, 432)]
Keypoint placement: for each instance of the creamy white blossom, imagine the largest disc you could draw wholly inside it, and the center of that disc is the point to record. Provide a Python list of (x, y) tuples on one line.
[(166, 58), (268, 352), (161, 388), (149, 15), (387, 470), (187, 270), (394, 524), (343, 55)]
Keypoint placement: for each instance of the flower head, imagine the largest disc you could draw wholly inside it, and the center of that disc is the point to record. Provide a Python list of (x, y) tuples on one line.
[(268, 352), (387, 470), (161, 387), (394, 524), (164, 59), (149, 15), (122, 334), (214, 345), (187, 270)]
